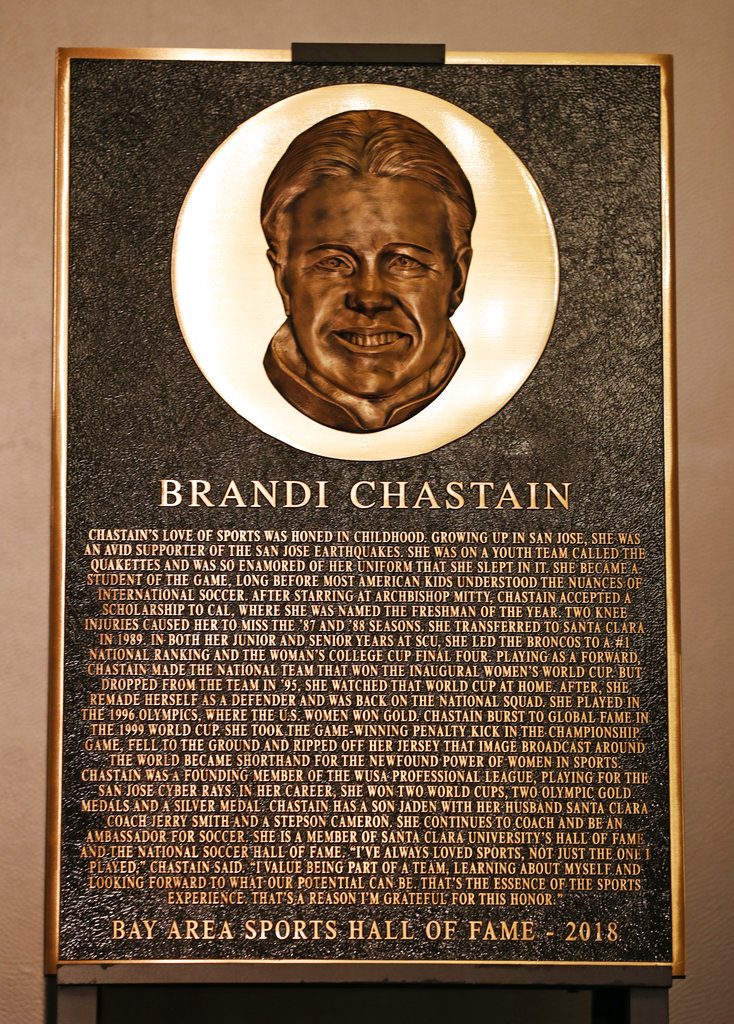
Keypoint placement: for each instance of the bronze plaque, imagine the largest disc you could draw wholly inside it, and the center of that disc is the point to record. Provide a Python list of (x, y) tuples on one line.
[(365, 638)]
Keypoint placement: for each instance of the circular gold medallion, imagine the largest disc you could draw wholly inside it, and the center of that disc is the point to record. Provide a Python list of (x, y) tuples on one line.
[(230, 309)]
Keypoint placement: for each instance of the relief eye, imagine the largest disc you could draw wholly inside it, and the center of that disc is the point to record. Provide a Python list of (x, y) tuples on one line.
[(402, 262), (334, 263)]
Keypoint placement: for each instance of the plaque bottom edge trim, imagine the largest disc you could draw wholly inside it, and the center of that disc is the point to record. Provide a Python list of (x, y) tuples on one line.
[(188, 962)]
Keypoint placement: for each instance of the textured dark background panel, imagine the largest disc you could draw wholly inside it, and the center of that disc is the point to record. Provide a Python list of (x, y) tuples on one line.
[(591, 412)]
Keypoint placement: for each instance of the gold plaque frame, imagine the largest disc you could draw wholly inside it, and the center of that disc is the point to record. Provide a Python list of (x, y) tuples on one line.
[(58, 535)]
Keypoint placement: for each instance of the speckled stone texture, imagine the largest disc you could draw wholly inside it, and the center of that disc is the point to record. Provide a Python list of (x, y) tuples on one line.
[(591, 412)]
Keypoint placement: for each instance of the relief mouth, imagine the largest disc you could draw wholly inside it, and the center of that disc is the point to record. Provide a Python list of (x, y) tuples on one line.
[(370, 339)]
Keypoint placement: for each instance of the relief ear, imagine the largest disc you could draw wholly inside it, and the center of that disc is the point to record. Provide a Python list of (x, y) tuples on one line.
[(462, 262), (279, 274)]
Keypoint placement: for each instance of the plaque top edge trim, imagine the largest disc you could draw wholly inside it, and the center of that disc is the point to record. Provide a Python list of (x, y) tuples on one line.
[(66, 54)]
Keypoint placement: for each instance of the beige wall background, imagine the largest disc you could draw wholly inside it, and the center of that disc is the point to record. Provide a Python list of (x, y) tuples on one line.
[(700, 35)]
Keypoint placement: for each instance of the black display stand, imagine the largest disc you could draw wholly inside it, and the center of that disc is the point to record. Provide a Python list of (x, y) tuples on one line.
[(79, 1004), (620, 995)]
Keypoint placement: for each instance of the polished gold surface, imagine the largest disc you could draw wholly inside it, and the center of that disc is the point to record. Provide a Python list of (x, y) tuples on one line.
[(171, 53), (572, 59), (58, 515), (229, 307), (671, 523), (283, 962)]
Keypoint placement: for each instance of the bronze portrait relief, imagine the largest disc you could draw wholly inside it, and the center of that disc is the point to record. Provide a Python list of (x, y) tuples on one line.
[(368, 220), (365, 271)]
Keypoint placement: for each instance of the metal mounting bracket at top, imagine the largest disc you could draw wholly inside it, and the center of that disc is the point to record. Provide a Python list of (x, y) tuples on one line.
[(368, 53)]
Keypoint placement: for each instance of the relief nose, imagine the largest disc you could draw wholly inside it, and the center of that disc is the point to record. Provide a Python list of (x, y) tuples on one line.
[(367, 295)]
